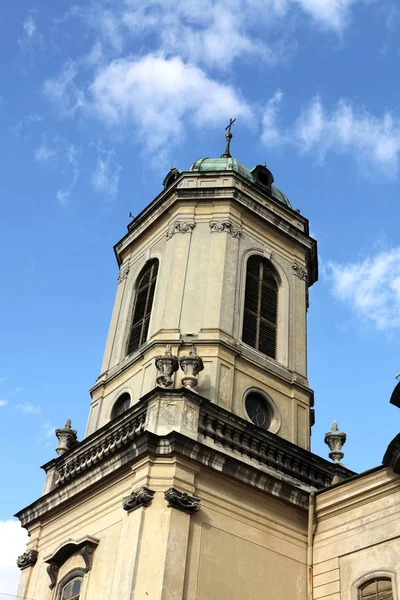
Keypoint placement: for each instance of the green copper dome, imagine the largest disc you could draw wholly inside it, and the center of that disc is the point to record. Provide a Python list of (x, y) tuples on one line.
[(228, 163)]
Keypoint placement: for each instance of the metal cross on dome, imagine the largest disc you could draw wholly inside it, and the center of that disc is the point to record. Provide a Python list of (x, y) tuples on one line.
[(231, 122)]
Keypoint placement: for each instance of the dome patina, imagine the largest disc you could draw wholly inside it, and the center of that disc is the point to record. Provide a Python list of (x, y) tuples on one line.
[(228, 163)]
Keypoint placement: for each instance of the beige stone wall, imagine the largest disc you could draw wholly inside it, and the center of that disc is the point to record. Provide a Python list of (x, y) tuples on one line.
[(240, 544), (200, 291), (357, 535)]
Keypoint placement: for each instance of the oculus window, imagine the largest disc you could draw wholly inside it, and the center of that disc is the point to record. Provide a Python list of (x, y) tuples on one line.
[(145, 288), (258, 409), (260, 306)]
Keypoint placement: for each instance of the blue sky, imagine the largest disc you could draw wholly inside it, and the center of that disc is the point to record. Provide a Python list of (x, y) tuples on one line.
[(98, 99)]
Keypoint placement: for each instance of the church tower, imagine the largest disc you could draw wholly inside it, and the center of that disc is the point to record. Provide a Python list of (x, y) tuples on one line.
[(192, 480)]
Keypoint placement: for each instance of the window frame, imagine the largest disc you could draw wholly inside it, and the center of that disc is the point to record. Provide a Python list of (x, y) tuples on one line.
[(276, 422), (135, 289), (78, 572), (369, 577), (117, 399)]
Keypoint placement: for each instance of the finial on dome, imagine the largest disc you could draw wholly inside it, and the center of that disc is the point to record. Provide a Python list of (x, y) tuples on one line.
[(228, 135)]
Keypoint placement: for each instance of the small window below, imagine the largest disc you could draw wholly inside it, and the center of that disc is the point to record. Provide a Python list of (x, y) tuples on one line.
[(258, 410), (121, 405), (72, 590), (376, 589)]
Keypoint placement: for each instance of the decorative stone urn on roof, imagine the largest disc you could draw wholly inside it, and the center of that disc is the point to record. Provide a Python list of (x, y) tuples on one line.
[(335, 439), (191, 365)]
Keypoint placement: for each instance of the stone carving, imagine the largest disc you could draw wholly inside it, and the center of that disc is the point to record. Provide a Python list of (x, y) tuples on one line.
[(180, 227), (142, 497), (335, 439), (166, 365), (226, 225), (300, 271), (52, 571), (182, 500), (191, 365), (27, 559), (124, 271), (67, 438)]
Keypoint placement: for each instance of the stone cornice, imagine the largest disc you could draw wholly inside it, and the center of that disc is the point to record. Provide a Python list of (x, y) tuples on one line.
[(219, 440)]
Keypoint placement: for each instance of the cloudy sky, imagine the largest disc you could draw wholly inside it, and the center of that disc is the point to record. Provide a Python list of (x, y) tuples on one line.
[(99, 98)]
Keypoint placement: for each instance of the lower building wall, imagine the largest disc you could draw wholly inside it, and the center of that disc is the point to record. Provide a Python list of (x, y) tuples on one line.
[(357, 536), (241, 544)]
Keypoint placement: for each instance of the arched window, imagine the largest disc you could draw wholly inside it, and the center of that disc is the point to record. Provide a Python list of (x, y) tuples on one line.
[(121, 405), (376, 589), (260, 306), (146, 285), (72, 590)]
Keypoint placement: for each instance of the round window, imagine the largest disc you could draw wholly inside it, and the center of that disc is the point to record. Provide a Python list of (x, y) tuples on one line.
[(258, 410)]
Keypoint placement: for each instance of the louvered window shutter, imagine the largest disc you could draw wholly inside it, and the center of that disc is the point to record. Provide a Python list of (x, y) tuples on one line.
[(377, 589), (260, 306), (142, 306)]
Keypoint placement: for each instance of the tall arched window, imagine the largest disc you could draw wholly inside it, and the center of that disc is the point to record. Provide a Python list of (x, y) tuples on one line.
[(145, 287), (260, 306), (376, 589)]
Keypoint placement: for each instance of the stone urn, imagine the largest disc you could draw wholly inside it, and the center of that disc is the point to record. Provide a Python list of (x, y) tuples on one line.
[(191, 365), (67, 438), (166, 365), (335, 440)]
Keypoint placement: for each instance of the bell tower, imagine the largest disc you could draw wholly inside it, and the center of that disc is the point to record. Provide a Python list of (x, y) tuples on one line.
[(192, 481), (219, 259)]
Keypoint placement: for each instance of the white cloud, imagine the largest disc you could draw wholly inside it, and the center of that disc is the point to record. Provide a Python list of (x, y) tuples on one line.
[(371, 140), (30, 37), (49, 430), (29, 27), (105, 178), (3, 402), (333, 14), (44, 153), (157, 94), (64, 91), (29, 408), (16, 539), (370, 287), (63, 194)]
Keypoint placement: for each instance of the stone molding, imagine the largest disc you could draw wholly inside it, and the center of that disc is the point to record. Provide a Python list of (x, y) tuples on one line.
[(27, 559), (182, 501), (300, 271), (84, 547), (226, 225), (141, 497), (180, 227)]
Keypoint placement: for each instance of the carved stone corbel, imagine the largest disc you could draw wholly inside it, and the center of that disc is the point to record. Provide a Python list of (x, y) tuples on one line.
[(27, 559), (226, 225), (52, 571), (141, 497), (300, 271), (180, 227), (182, 500), (83, 547)]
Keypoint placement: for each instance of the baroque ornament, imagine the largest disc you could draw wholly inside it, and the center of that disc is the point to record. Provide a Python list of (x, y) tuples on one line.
[(220, 226), (124, 271), (182, 500), (142, 497), (300, 271), (180, 227), (67, 438), (191, 365), (335, 439), (166, 365), (27, 559)]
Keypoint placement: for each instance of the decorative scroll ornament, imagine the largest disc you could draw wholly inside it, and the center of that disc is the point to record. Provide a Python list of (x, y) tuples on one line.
[(191, 365), (67, 438), (182, 500), (180, 227), (27, 559), (300, 271), (124, 271), (335, 439), (142, 497), (166, 365), (220, 226)]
